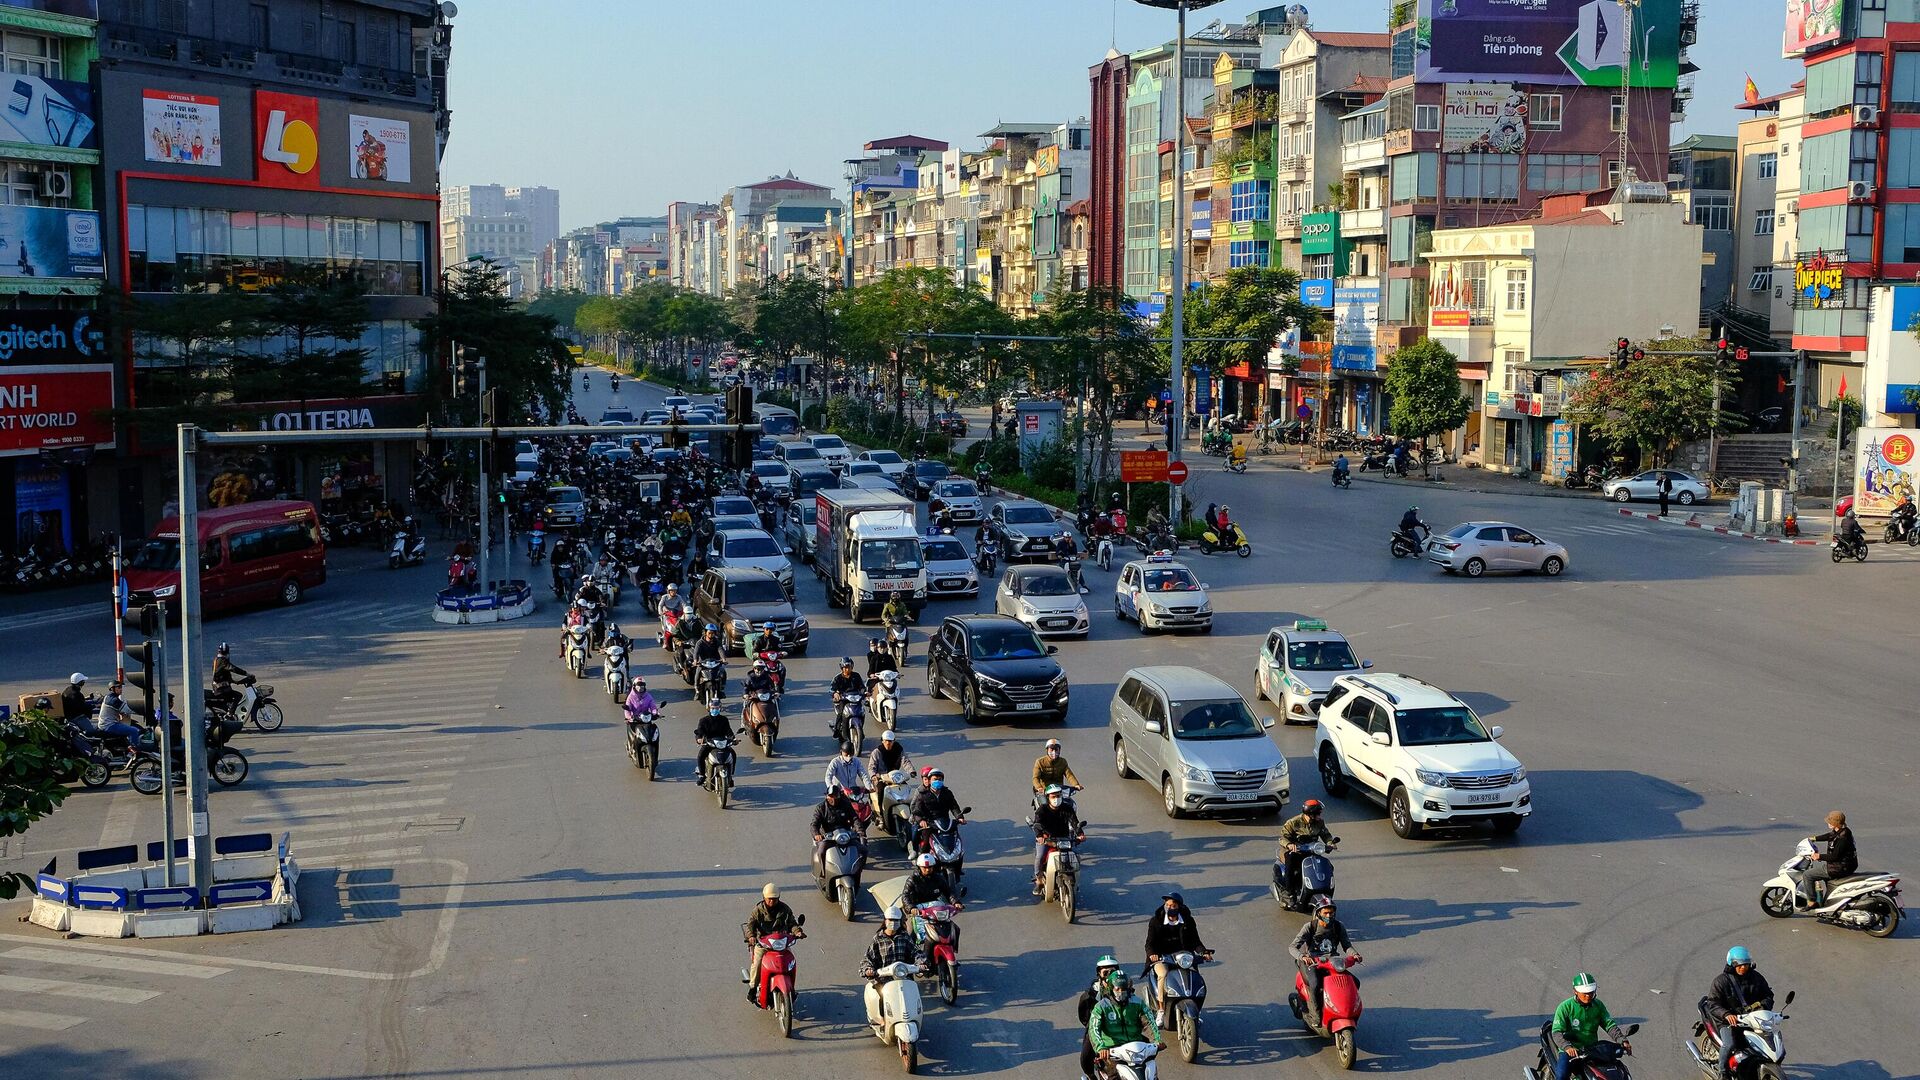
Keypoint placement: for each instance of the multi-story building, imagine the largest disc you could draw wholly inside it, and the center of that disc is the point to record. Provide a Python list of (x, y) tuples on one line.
[(680, 240), (508, 226), (1233, 164), (1321, 77), (475, 200), (744, 210), (1700, 175), (885, 185), (541, 207), (1758, 301), (502, 240), (1061, 171)]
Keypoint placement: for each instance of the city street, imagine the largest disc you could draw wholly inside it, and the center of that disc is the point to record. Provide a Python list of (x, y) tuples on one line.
[(491, 889)]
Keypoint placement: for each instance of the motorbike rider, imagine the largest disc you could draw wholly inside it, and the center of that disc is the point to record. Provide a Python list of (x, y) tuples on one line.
[(1050, 769), (714, 725), (1089, 997), (889, 755), (847, 772), (73, 699), (1577, 1024), (225, 672), (834, 813), (934, 801), (769, 641), (1737, 990), (615, 637), (115, 717), (671, 602), (770, 916), (894, 613), (1322, 934), (925, 886), (1117, 1018), (1223, 524), (846, 683), (1296, 833), (759, 678), (640, 700), (1408, 522), (1340, 467), (709, 647), (1850, 530), (1055, 818), (891, 945), (1839, 860), (1170, 929), (879, 658), (1904, 515), (576, 616)]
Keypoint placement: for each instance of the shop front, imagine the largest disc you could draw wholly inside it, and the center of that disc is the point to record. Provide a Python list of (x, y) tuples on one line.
[(56, 396), (344, 478)]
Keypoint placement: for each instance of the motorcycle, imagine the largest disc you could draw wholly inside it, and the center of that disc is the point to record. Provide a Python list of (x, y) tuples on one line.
[(409, 549), (1847, 547), (885, 698), (1869, 902), (942, 841), (1342, 479), (650, 599), (849, 720), (988, 557), (720, 763), (596, 621), (897, 643), (1235, 462), (676, 629), (1374, 461), (710, 682), (893, 1010), (1899, 529), (1593, 476), (1060, 883), (1762, 1056), (838, 875), (1402, 545), (896, 801), (616, 671), (227, 766), (1600, 1062), (1339, 1013), (576, 650), (99, 756), (1133, 1061), (462, 573), (776, 670), (1072, 566), (536, 547), (762, 716), (1234, 539), (939, 946), (643, 741), (1316, 877), (258, 707), (1182, 998), (1216, 443)]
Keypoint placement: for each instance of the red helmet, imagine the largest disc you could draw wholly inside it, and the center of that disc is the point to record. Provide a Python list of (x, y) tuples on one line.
[(1312, 806)]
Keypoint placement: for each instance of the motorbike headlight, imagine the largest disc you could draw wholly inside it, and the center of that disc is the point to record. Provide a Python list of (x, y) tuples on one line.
[(1196, 774), (1431, 779)]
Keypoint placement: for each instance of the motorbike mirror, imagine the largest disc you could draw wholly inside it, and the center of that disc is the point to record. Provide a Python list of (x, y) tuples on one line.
[(1788, 1000), (1631, 1028), (800, 920)]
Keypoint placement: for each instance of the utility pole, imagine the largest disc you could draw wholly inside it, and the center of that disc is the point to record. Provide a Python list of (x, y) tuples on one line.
[(481, 366), (192, 648), (1626, 84), (1177, 306)]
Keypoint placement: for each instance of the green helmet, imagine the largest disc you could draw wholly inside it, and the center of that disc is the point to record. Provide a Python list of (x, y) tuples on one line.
[(1584, 983), (1119, 987)]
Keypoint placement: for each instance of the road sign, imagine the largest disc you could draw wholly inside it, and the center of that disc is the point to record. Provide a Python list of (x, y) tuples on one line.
[(1304, 412), (1143, 466), (1177, 472), (1033, 423)]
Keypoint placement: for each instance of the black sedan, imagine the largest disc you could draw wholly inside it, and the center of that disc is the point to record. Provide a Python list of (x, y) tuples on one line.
[(922, 475), (995, 666)]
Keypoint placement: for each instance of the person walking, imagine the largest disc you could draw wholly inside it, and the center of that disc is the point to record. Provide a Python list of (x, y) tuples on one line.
[(1665, 486)]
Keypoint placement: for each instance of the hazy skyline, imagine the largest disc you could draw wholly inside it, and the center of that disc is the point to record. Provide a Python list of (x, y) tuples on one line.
[(625, 107)]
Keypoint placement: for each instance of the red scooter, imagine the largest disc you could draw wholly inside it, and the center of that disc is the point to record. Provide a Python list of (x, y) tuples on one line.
[(1339, 1013), (774, 983), (462, 573), (940, 944)]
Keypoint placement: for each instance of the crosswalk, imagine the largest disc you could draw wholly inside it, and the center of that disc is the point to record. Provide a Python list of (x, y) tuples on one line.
[(51, 990)]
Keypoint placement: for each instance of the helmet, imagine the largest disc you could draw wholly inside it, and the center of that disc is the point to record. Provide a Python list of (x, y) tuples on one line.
[(713, 708), (1413, 509), (1119, 987), (712, 629), (76, 678), (769, 891), (224, 649), (1056, 789), (1326, 904), (639, 683), (846, 748), (1583, 984), (1312, 807), (759, 664), (887, 736), (1106, 963), (924, 861), (892, 916), (876, 643), (1053, 744), (846, 661), (613, 629), (933, 772), (672, 588), (1739, 955)]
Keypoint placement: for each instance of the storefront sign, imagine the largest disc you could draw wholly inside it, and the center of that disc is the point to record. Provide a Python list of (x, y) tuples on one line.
[(182, 129), (1355, 310), (1143, 466), (1561, 42), (1483, 118), (380, 149), (1320, 234), (50, 337), (335, 414), (1445, 317), (1810, 23), (1317, 292), (53, 408), (1046, 160), (1559, 449), (49, 112), (288, 128), (1819, 280)]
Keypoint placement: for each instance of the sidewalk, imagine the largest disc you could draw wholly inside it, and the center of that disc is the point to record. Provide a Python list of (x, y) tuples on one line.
[(1815, 530)]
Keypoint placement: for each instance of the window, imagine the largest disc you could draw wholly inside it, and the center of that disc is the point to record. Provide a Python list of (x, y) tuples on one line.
[(1516, 290), (1482, 178), (1866, 78), (1426, 118), (1543, 112), (1252, 200), (1767, 166), (1903, 91), (1713, 212), (26, 183), (260, 26), (1548, 174), (1762, 278), (1473, 279), (176, 248), (1763, 222), (1618, 115), (1613, 172), (31, 54), (1248, 253)]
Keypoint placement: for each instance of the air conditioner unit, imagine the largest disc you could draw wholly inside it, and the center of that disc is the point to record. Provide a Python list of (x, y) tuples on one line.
[(1859, 191), (1866, 115), (56, 185), (1793, 206)]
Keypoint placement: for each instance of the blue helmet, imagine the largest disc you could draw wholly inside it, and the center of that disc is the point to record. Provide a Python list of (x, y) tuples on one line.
[(1739, 955)]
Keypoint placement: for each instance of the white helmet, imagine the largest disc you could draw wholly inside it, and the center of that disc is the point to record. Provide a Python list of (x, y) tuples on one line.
[(925, 860), (893, 915), (76, 679)]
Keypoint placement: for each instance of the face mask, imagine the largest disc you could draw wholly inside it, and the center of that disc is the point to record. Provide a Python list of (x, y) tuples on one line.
[(938, 784)]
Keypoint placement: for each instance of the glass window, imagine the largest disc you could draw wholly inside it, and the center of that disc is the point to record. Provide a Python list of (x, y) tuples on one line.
[(160, 245), (31, 54), (1516, 290), (136, 227), (1768, 166), (293, 236), (1904, 88), (1713, 212), (1763, 222), (412, 240), (1618, 115), (190, 228), (1551, 173), (273, 236), (1762, 278), (245, 225), (219, 232), (1482, 178), (1426, 118), (1544, 112)]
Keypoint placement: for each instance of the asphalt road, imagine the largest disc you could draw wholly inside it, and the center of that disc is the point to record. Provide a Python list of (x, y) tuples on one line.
[(492, 890)]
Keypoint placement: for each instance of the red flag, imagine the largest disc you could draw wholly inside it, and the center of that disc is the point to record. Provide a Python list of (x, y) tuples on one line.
[(1753, 92), (1843, 386)]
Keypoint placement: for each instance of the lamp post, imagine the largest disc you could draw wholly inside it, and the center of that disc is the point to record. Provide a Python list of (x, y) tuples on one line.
[(1176, 310)]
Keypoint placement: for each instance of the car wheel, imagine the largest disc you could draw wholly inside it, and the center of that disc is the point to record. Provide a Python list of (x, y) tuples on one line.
[(1259, 686), (1553, 566), (290, 592), (969, 703), (933, 681), (1401, 815), (1331, 778), (1686, 498), (1620, 494), (1168, 800), (1475, 567), (1120, 759)]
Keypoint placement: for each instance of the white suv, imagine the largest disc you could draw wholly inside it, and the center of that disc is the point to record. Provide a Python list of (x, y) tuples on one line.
[(1419, 750)]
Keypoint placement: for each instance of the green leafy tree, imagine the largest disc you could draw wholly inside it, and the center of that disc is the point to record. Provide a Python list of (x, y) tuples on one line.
[(1252, 302), (1652, 404), (1106, 358), (1424, 382), (184, 349), (34, 754), (878, 322), (526, 358), (560, 305)]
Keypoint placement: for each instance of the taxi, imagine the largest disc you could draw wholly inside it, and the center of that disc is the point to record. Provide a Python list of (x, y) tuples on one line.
[(1298, 664), (1158, 593)]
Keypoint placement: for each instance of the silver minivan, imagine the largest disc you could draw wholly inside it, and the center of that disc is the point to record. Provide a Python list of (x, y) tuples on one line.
[(1194, 737)]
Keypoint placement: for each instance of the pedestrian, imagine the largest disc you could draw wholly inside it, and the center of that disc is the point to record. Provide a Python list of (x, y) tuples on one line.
[(1665, 486)]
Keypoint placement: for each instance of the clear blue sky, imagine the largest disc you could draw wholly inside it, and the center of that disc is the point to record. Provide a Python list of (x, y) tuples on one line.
[(626, 105)]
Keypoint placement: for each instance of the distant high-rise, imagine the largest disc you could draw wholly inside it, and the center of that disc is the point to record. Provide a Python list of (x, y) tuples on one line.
[(541, 207)]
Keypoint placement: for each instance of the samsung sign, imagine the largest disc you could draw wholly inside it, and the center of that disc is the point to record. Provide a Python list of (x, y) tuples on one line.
[(51, 337)]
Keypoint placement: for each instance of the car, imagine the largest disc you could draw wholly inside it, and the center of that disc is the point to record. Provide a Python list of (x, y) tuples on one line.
[(723, 505), (807, 477), (832, 448), (961, 498), (665, 455), (729, 380), (1420, 751), (858, 467), (890, 462), (655, 416), (995, 666), (797, 530), (751, 547), (616, 414), (525, 468), (775, 420), (602, 447), (1193, 736), (796, 452), (951, 424), (771, 474), (1026, 530), (676, 401), (922, 475), (1476, 547), (742, 599), (565, 506), (1687, 488), (1297, 665), (619, 455), (1044, 598), (870, 483), (1158, 593), (764, 449), (637, 443), (949, 571)]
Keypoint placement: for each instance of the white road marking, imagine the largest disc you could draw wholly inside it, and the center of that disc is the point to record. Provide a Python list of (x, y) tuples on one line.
[(279, 799), (120, 995), (144, 967), (39, 1021), (357, 808), (123, 812), (299, 829), (343, 841)]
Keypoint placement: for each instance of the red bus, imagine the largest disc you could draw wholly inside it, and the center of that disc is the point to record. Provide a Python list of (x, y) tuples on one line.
[(262, 552)]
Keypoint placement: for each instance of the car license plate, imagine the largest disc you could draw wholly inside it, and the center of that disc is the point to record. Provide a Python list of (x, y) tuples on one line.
[(1027, 706), (1241, 796), (952, 583), (1481, 800)]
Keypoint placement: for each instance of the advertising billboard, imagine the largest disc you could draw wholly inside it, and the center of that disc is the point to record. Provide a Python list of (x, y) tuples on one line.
[(52, 408), (47, 241), (1886, 469), (1320, 234), (42, 509), (1483, 118), (1810, 23), (1566, 42), (287, 127), (48, 112), (1355, 310), (380, 149), (182, 129), (30, 338), (1316, 292)]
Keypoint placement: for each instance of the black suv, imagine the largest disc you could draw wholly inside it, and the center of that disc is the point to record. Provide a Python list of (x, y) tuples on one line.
[(995, 666), (741, 598)]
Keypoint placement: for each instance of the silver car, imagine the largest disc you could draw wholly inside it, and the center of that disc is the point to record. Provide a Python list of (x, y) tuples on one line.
[(751, 547), (949, 571), (1044, 598), (961, 498), (1193, 737), (1687, 488), (1474, 548)]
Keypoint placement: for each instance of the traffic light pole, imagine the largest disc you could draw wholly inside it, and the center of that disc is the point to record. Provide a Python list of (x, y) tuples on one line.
[(482, 457), (192, 648), (164, 735)]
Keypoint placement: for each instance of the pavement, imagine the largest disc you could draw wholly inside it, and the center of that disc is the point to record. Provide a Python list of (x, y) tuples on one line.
[(493, 891)]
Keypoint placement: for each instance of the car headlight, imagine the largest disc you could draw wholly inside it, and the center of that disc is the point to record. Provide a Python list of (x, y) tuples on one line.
[(1027, 609), (1277, 772), (1080, 612), (799, 621), (165, 591), (1196, 774), (1431, 779), (1206, 607), (1519, 774), (990, 681), (741, 626)]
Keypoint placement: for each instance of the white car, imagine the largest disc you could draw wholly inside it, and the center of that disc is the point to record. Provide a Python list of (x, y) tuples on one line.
[(1687, 488), (962, 499), (1298, 664), (832, 450), (1420, 751), (1478, 547), (890, 463), (772, 474), (525, 467), (949, 571), (754, 548), (1043, 597), (677, 401), (1160, 594)]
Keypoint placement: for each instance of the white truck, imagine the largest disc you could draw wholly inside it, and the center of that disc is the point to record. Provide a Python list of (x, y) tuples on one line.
[(867, 548)]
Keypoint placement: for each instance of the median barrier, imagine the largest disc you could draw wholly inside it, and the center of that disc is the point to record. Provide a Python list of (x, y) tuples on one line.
[(499, 602), (255, 883)]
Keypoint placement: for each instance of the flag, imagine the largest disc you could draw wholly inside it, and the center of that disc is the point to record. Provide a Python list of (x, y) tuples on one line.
[(1753, 92), (1843, 386)]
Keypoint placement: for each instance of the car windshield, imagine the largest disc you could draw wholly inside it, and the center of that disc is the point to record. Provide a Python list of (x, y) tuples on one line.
[(802, 453), (732, 522), (944, 551), (1320, 656), (959, 489), (1438, 727), (1044, 584), (1005, 643), (930, 470), (756, 590), (751, 547), (566, 495), (1176, 579), (159, 553), (898, 556), (733, 504), (1215, 720), (780, 424), (863, 468), (828, 442), (1029, 515), (769, 468), (884, 457)]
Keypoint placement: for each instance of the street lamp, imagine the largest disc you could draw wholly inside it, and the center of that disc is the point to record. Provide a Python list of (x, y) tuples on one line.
[(1176, 413)]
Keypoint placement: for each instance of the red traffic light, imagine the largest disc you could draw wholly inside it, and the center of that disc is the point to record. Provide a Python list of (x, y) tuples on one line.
[(1723, 344), (1622, 343), (1639, 354)]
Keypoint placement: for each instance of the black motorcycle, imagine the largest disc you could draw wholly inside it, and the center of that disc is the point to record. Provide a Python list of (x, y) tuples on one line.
[(1850, 547), (1601, 1061), (1342, 479), (1902, 528), (1403, 544)]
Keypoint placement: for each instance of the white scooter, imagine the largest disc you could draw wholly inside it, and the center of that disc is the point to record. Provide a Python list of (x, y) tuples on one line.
[(1134, 1061), (577, 650), (893, 1010), (1869, 902), (616, 671), (1759, 1059), (409, 549), (885, 698)]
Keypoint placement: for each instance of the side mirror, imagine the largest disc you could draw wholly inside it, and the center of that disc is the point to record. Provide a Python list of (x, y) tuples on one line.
[(800, 921), (1631, 1028), (1381, 738), (1496, 731), (965, 810), (1366, 664), (1051, 649), (1152, 725), (1788, 1000), (1266, 722)]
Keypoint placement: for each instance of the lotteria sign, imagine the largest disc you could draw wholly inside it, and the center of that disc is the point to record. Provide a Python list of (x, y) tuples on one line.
[(337, 414), (54, 408), (1320, 234)]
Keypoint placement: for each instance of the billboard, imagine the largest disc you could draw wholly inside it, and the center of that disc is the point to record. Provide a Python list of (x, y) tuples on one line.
[(1320, 233), (47, 241), (49, 112), (182, 129), (1355, 310), (1483, 118), (1885, 470), (32, 337), (1316, 292), (380, 149), (288, 131), (1810, 23), (51, 408), (1565, 42)]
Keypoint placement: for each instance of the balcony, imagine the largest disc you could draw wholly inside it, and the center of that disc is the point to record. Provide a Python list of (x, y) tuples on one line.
[(1363, 155), (1296, 111), (1363, 222), (138, 43), (1292, 167)]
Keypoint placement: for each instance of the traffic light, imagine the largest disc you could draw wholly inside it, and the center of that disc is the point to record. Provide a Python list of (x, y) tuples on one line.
[(466, 371), (490, 408), (1637, 355), (1740, 354), (147, 656), (1722, 352), (740, 411), (1620, 348)]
